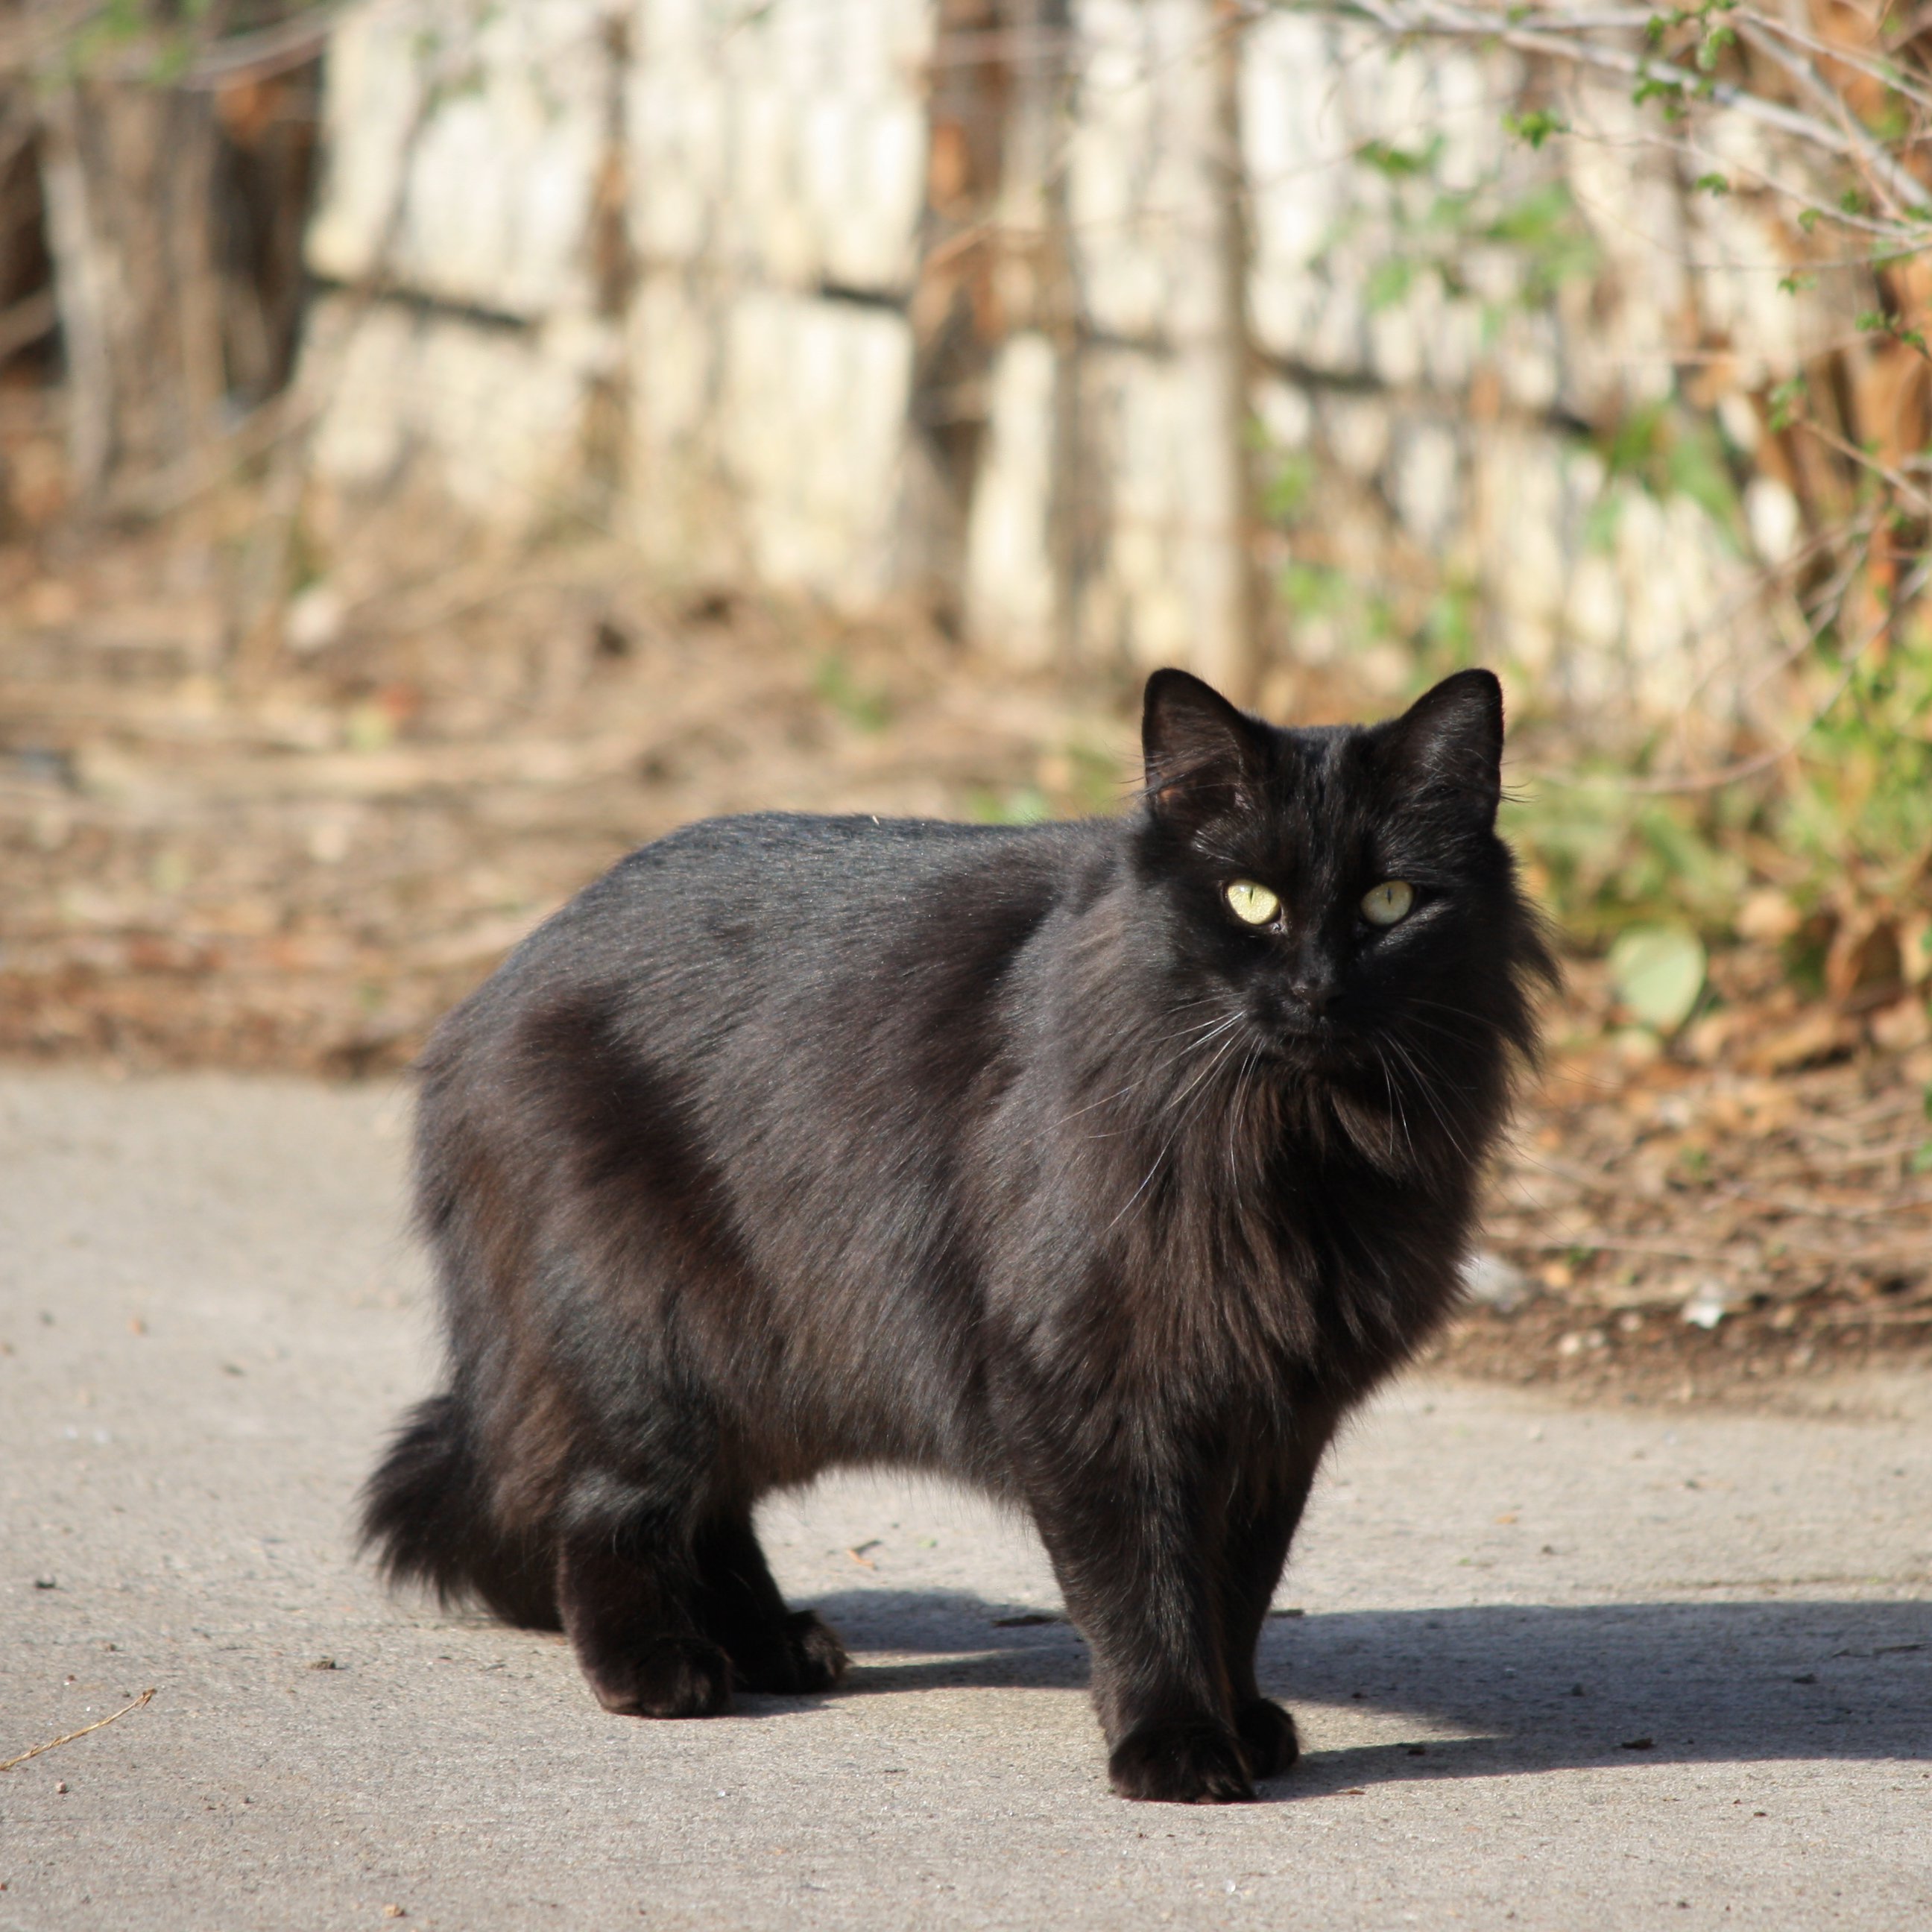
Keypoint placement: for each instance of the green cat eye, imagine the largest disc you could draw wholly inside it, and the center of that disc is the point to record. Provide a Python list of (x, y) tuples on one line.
[(1388, 903), (1252, 905)]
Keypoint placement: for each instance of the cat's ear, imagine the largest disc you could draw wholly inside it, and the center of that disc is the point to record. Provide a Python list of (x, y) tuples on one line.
[(1202, 754), (1449, 743)]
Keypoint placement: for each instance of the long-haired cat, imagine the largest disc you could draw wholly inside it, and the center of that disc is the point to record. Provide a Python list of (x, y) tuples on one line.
[(1103, 1165)]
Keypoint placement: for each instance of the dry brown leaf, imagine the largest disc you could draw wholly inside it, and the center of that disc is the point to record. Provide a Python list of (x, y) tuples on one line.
[(1819, 1034)]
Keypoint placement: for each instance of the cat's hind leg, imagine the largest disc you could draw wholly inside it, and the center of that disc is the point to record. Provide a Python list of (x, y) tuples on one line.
[(1261, 1523), (738, 1607), (1257, 1547), (626, 1586)]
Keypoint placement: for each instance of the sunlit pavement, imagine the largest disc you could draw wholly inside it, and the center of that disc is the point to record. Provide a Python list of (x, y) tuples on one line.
[(1554, 1667)]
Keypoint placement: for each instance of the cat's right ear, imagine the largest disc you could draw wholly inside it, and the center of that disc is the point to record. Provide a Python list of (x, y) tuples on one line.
[(1202, 754)]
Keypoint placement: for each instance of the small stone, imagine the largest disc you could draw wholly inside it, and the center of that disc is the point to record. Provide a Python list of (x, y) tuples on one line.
[(1767, 915), (60, 1785), (1578, 1341), (1711, 1301), (394, 1912), (312, 619), (1496, 1283)]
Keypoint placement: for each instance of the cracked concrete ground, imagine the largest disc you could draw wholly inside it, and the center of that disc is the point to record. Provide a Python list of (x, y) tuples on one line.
[(1555, 1667)]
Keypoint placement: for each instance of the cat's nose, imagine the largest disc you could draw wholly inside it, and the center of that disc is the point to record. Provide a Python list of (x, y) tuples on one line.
[(1311, 995)]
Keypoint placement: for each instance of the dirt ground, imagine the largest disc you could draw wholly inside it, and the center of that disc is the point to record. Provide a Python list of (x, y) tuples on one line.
[(295, 860)]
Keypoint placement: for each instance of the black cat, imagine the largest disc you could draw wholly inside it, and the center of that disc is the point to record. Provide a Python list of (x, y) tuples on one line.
[(1102, 1165)]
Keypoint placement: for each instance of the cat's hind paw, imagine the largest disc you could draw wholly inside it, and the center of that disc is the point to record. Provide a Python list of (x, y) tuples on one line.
[(818, 1657), (1198, 1762), (801, 1655), (665, 1677), (1268, 1739)]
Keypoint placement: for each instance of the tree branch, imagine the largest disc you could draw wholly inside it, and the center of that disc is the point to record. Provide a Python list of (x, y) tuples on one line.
[(1442, 19)]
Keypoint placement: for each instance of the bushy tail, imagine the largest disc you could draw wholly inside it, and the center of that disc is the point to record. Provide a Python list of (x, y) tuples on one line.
[(426, 1510)]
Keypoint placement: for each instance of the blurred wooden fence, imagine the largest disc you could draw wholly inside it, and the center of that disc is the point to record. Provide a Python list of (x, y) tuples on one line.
[(1147, 330)]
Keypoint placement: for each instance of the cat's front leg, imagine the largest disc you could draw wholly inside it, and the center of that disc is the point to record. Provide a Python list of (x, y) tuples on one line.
[(1135, 1557)]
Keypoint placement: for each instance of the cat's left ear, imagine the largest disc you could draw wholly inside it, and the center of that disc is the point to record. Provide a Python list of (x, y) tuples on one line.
[(1449, 743), (1202, 754)]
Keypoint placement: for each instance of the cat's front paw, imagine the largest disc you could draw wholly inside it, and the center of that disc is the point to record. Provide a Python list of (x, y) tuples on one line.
[(664, 1677), (1268, 1739), (1196, 1763)]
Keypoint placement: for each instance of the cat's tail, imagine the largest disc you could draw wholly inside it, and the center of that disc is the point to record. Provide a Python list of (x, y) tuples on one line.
[(426, 1512)]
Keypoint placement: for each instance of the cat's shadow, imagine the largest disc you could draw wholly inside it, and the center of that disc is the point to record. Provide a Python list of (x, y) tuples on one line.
[(1491, 1690)]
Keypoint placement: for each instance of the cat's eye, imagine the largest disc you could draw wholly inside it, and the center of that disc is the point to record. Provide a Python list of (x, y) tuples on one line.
[(1251, 903), (1388, 903)]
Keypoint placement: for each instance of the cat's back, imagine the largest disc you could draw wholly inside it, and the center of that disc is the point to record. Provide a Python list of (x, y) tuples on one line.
[(780, 920)]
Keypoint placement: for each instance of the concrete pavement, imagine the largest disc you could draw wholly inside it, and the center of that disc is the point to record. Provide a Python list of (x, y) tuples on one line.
[(1555, 1668)]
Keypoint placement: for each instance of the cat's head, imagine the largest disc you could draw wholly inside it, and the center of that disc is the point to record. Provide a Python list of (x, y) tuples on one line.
[(1342, 890)]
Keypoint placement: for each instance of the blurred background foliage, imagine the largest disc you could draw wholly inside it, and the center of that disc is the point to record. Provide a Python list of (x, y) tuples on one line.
[(1329, 345)]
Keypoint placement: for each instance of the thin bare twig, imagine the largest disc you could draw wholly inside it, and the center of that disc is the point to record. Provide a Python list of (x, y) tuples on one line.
[(1643, 19), (68, 1737), (266, 52), (1598, 1244), (1439, 19), (1832, 439), (1744, 768)]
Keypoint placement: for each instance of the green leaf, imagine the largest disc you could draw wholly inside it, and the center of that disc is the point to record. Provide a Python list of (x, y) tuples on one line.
[(1658, 971), (1401, 164), (1535, 127), (1387, 283), (1715, 42), (1286, 496), (862, 706), (1921, 1158)]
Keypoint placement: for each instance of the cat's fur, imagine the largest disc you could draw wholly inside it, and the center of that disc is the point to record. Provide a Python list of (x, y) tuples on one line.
[(1007, 1153)]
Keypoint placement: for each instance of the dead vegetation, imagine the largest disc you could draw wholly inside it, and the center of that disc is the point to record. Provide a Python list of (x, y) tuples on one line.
[(300, 868), (1691, 1226)]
